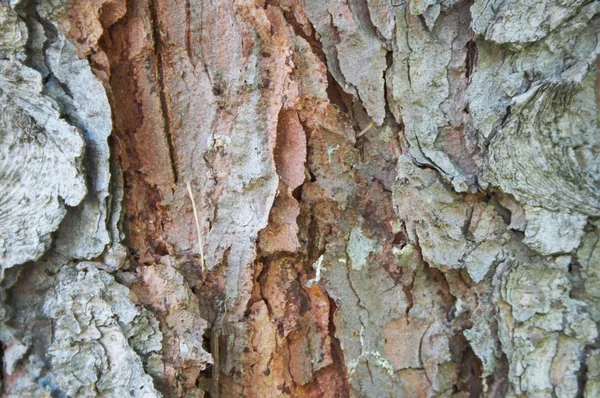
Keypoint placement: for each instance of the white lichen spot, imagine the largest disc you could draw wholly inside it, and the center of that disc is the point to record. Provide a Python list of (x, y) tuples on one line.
[(220, 142), (382, 362), (359, 248), (376, 356), (332, 149), (317, 266)]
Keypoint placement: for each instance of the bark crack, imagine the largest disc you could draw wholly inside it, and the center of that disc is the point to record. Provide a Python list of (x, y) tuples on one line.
[(157, 37)]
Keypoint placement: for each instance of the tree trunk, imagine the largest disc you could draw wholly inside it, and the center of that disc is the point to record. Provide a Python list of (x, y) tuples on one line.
[(307, 198)]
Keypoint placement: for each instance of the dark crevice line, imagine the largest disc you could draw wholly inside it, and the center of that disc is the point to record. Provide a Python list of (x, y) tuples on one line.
[(156, 37), (388, 97), (471, 59), (337, 353), (188, 38)]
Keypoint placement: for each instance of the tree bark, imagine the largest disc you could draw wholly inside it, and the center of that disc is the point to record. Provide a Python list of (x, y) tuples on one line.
[(386, 198)]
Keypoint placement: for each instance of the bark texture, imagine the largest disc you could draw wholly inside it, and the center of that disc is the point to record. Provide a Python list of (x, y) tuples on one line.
[(394, 198)]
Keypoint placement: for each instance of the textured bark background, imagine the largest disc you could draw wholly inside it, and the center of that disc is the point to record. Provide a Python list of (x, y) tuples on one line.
[(396, 198)]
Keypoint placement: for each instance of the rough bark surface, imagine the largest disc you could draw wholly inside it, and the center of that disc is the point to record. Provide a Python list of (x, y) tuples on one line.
[(394, 198)]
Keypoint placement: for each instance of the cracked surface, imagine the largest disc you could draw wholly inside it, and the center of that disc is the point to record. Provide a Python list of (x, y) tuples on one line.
[(41, 154), (448, 249)]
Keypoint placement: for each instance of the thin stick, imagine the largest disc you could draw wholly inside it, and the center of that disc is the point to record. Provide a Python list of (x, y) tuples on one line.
[(189, 189), (369, 127)]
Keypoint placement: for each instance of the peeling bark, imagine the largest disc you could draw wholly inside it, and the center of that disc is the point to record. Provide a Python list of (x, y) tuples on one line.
[(394, 198)]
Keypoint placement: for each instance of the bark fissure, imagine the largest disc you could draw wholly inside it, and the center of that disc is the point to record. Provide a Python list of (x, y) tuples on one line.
[(157, 37)]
